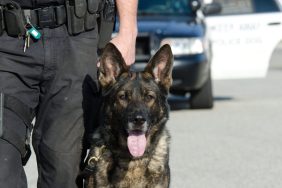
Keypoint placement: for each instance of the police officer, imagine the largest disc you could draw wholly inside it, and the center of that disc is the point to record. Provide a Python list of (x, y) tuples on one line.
[(47, 49)]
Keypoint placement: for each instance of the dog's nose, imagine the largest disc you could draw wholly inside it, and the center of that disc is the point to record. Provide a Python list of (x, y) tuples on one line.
[(139, 120)]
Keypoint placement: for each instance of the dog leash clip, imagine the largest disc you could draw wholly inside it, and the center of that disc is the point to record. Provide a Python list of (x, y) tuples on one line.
[(94, 159)]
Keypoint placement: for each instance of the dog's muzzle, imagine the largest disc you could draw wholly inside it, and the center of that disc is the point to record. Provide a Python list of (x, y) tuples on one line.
[(137, 128), (137, 123)]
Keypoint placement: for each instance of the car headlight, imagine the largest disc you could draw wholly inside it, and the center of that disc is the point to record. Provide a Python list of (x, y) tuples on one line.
[(185, 46)]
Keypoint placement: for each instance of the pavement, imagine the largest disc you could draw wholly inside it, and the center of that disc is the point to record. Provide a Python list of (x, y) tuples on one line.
[(237, 144)]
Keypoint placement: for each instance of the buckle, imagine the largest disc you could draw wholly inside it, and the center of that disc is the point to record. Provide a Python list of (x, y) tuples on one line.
[(47, 17), (97, 156)]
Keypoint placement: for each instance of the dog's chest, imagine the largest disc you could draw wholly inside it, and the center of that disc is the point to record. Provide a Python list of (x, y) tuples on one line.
[(132, 176)]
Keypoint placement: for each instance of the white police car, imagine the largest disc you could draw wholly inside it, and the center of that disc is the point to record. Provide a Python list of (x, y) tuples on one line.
[(181, 24), (244, 35)]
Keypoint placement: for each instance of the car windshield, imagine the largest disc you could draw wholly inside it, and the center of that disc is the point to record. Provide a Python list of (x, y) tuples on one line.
[(164, 7)]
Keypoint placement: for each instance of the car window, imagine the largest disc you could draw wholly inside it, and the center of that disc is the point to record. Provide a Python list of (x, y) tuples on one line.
[(265, 6), (164, 7), (235, 7), (230, 7)]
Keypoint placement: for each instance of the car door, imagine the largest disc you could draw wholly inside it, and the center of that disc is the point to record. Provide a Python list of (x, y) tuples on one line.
[(244, 36)]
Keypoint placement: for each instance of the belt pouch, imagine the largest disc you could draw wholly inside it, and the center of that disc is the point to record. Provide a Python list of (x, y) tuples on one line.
[(60, 14), (91, 14), (75, 24), (80, 8), (107, 23), (90, 21), (92, 6), (14, 20)]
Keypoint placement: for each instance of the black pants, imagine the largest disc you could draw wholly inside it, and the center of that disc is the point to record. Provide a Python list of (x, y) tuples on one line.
[(48, 78)]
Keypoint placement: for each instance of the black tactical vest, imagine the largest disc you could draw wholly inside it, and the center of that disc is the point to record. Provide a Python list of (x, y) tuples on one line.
[(38, 3)]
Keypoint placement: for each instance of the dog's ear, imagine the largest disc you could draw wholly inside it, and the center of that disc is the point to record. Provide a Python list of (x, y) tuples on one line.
[(160, 66), (112, 65)]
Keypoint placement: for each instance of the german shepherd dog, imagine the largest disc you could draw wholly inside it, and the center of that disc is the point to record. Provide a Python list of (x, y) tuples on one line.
[(131, 146)]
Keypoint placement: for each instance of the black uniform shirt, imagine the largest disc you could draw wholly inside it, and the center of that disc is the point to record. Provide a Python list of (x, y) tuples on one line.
[(38, 3)]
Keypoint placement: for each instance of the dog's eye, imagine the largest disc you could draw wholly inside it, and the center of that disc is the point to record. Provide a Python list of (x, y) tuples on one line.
[(149, 97), (122, 97)]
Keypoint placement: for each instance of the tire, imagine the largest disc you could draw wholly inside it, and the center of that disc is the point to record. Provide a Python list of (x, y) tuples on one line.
[(202, 98)]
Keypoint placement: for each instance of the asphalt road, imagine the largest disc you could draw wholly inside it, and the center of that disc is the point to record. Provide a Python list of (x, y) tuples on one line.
[(238, 144)]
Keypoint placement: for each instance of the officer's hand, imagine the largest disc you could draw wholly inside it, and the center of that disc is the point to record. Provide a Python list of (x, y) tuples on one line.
[(125, 42)]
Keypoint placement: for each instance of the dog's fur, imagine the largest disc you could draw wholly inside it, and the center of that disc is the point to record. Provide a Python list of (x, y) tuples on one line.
[(135, 103)]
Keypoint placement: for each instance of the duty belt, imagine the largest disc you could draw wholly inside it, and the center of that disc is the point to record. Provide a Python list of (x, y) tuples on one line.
[(47, 17), (78, 15), (14, 19)]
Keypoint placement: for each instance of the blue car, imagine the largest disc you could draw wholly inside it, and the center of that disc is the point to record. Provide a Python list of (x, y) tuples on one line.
[(181, 24)]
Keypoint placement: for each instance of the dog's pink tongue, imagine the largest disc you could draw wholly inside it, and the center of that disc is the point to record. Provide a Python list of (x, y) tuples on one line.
[(136, 144)]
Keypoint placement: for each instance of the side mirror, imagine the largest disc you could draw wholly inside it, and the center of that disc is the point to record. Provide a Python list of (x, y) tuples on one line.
[(213, 8)]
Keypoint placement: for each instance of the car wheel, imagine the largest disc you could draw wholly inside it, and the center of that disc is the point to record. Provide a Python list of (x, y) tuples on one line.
[(202, 98)]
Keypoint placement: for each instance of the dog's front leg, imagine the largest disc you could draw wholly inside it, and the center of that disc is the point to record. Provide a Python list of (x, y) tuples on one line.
[(159, 179), (158, 167), (101, 175), (99, 179)]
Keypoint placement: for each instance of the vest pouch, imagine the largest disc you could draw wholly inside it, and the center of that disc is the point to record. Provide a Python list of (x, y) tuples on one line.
[(14, 20), (75, 24)]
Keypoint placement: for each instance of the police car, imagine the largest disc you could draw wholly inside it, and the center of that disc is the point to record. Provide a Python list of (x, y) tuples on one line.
[(181, 24), (244, 35)]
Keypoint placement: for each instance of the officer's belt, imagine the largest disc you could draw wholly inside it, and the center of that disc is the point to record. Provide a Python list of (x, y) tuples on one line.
[(47, 17), (17, 21)]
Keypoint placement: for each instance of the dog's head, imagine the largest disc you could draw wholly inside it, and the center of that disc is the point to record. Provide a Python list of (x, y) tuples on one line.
[(135, 106)]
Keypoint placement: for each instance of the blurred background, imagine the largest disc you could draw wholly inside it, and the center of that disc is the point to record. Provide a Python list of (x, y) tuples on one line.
[(226, 98)]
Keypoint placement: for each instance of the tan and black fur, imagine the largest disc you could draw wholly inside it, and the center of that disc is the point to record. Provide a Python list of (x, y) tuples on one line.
[(134, 103)]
